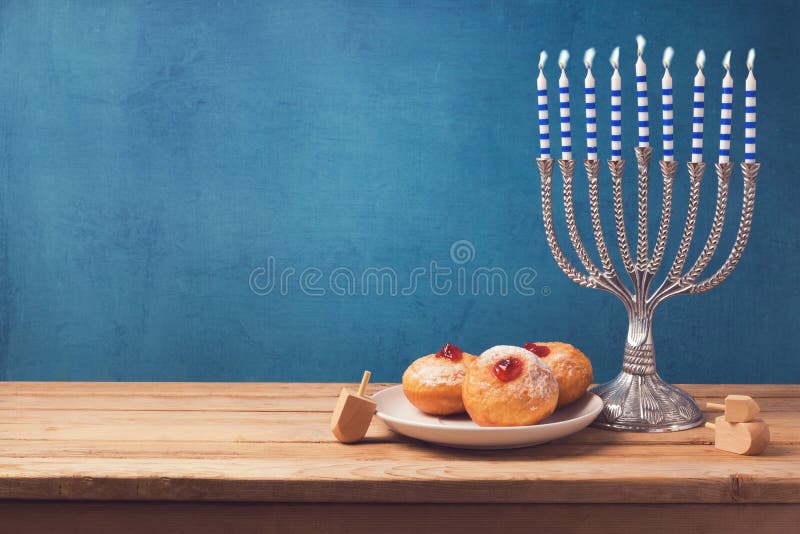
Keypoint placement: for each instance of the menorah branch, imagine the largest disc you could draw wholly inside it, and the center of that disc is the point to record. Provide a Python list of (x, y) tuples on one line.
[(709, 249), (617, 168), (696, 171), (568, 171), (668, 170), (592, 173), (750, 173), (643, 155), (546, 171)]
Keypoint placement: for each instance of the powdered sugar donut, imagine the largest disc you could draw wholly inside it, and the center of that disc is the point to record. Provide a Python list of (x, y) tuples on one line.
[(509, 386), (572, 368), (433, 383)]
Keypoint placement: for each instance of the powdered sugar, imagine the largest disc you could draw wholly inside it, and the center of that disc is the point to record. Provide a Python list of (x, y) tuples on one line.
[(431, 371), (565, 363)]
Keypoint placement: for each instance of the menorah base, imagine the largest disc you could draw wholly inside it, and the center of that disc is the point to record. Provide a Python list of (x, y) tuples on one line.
[(645, 403)]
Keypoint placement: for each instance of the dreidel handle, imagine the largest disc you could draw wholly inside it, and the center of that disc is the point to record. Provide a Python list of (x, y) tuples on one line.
[(364, 381)]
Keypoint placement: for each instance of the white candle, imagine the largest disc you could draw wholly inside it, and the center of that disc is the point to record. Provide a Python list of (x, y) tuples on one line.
[(591, 108), (541, 92), (726, 111), (641, 94), (563, 107), (616, 108), (699, 103), (750, 111), (666, 107)]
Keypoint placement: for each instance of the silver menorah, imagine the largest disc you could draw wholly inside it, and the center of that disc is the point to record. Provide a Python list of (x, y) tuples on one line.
[(638, 399)]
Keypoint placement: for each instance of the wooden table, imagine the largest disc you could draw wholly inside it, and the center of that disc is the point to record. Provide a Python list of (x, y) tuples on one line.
[(191, 457)]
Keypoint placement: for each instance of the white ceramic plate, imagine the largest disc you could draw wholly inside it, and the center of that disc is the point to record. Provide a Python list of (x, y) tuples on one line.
[(459, 431)]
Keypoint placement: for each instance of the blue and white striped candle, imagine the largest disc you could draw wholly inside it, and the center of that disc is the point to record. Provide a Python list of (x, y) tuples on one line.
[(726, 112), (591, 108), (666, 106), (616, 108), (563, 107), (750, 111), (641, 94), (541, 93), (699, 106)]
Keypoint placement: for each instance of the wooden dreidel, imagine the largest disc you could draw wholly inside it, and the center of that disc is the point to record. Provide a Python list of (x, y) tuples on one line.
[(738, 408), (353, 413), (748, 438)]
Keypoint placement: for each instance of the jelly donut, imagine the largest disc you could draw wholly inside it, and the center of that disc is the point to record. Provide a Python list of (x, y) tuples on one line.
[(509, 386), (433, 383), (572, 368)]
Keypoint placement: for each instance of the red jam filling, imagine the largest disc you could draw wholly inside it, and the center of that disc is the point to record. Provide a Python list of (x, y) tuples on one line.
[(508, 369), (539, 350), (450, 352)]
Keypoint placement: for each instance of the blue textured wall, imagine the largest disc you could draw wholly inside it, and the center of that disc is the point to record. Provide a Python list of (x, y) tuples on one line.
[(156, 154)]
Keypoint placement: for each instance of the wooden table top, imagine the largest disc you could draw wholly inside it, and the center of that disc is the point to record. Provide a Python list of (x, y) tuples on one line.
[(271, 442)]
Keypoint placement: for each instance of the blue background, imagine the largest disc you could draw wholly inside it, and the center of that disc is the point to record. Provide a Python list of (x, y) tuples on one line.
[(155, 153)]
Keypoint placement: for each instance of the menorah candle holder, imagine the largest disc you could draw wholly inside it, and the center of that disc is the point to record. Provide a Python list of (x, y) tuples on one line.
[(638, 399)]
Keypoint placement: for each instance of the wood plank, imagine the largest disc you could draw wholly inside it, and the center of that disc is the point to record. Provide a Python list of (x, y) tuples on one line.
[(784, 428), (407, 452), (79, 425), (254, 403), (231, 389), (279, 397), (243, 518), (280, 427), (588, 479), (292, 390)]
